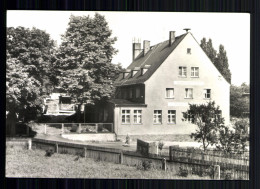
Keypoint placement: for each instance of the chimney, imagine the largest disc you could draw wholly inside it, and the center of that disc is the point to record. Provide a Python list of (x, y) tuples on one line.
[(136, 49), (172, 37), (146, 46), (187, 29)]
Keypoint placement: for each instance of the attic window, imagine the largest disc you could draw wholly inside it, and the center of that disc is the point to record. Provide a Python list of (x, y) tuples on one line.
[(125, 74), (144, 70), (188, 50), (133, 72)]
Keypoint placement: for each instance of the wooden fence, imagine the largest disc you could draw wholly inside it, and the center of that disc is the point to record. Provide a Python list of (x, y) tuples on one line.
[(133, 158), (233, 165)]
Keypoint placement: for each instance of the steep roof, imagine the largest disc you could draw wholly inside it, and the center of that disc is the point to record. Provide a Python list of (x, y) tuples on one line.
[(154, 57)]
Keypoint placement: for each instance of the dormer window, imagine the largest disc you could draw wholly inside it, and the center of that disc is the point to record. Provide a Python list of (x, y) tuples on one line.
[(125, 73), (134, 71), (144, 69)]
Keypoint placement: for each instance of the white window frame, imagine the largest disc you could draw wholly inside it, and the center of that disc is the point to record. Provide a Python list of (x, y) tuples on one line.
[(194, 70), (182, 70), (167, 93), (188, 94), (156, 117), (171, 117), (125, 114), (138, 116), (205, 93)]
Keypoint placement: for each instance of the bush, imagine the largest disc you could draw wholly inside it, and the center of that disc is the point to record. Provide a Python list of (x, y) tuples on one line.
[(145, 165), (183, 172), (49, 152)]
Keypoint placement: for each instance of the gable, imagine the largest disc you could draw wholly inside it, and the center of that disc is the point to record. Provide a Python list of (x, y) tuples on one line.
[(196, 58)]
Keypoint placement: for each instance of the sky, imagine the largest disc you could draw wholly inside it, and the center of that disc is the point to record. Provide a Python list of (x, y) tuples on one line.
[(229, 29)]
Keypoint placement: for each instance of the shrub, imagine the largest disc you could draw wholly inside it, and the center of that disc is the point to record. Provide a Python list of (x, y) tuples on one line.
[(160, 146), (183, 172), (145, 165), (49, 152)]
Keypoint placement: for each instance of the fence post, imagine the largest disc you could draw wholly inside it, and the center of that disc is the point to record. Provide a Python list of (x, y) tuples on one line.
[(57, 147), (62, 128), (121, 157), (29, 144), (164, 164), (216, 175), (85, 152), (27, 130), (96, 127), (45, 129)]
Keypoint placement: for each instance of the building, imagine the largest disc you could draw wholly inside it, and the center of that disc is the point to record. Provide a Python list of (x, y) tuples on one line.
[(58, 103), (160, 83)]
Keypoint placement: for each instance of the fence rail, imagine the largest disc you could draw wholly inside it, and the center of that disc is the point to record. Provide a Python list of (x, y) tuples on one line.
[(236, 166), (78, 128)]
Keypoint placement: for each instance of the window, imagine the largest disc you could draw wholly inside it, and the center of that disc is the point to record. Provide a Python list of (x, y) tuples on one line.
[(188, 50), (172, 116), (143, 70), (138, 116), (157, 116), (137, 92), (194, 71), (169, 93), (189, 118), (125, 116), (182, 71), (188, 93), (207, 93), (130, 93)]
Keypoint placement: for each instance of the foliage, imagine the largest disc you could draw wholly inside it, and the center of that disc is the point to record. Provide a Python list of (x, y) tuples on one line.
[(29, 70), (84, 60), (239, 104), (160, 146), (219, 59), (145, 165), (49, 152), (234, 141), (203, 171), (208, 119), (183, 172)]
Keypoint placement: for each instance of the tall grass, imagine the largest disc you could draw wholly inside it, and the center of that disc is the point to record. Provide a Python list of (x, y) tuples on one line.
[(34, 163)]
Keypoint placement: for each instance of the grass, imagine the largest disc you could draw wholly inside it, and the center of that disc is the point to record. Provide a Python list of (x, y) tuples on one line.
[(34, 164)]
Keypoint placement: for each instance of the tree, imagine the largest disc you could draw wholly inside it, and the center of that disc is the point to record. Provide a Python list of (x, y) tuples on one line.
[(29, 54), (234, 141), (207, 118), (221, 63), (238, 103), (84, 60), (219, 59)]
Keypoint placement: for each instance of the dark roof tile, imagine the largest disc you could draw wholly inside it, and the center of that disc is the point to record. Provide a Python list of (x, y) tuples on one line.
[(154, 57)]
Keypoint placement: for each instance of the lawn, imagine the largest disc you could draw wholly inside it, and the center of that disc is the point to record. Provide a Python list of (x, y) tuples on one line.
[(34, 163)]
